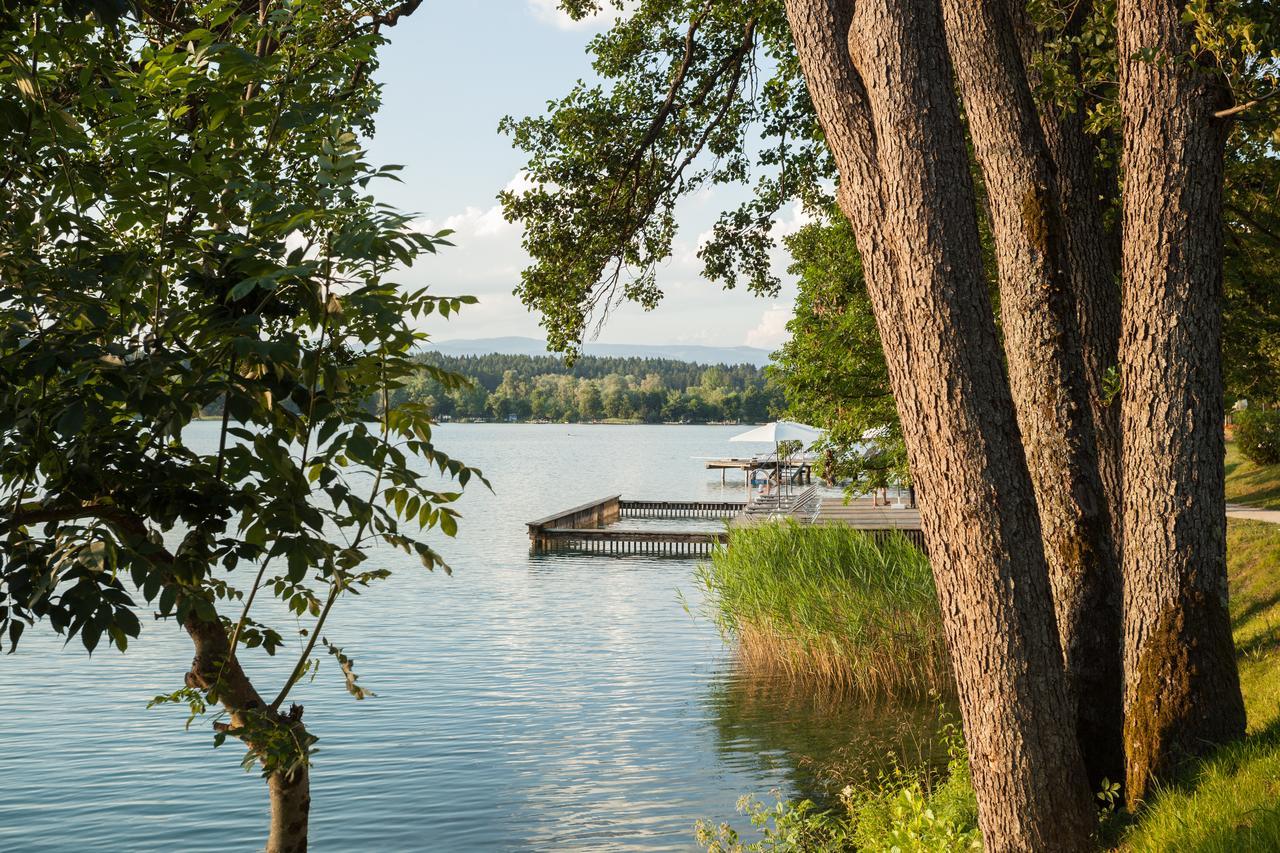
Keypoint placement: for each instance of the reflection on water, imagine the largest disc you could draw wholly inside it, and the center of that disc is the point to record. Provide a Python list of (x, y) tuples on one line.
[(558, 702), (821, 740)]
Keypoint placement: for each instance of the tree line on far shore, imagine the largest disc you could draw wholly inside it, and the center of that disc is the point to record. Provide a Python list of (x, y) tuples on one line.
[(651, 390)]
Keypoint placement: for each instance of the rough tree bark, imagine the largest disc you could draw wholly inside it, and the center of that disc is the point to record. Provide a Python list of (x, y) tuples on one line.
[(878, 76), (1092, 249), (1046, 373), (1182, 690)]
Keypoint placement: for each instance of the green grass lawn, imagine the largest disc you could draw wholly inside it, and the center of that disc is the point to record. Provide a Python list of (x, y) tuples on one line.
[(1247, 483), (1231, 802)]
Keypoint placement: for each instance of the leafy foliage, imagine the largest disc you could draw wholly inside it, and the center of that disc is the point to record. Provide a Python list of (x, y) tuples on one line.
[(1257, 433), (1251, 303), (608, 162), (833, 367), (190, 226), (901, 811)]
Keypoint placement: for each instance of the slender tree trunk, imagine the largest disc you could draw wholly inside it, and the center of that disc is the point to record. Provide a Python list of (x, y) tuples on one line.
[(290, 808), (1182, 691), (1046, 372), (1095, 275), (878, 76), (290, 793), (1096, 283)]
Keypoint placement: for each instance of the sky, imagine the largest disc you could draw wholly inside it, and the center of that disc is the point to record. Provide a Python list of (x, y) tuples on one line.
[(450, 73)]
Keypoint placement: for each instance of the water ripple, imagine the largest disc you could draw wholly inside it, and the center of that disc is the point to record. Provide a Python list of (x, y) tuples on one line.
[(554, 703)]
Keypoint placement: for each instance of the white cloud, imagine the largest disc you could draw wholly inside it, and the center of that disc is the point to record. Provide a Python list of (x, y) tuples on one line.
[(771, 331), (521, 183), (549, 12), (487, 260), (784, 227), (472, 221)]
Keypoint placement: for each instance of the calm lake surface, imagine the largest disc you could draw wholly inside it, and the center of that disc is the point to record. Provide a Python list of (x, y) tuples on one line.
[(552, 702)]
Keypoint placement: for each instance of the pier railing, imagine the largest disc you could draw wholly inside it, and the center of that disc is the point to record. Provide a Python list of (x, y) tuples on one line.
[(586, 527), (681, 509), (595, 513), (593, 526)]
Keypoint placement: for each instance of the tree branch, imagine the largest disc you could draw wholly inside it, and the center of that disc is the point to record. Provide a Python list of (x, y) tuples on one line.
[(1239, 108), (392, 16)]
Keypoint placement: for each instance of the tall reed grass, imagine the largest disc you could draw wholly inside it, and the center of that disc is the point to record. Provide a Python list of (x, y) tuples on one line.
[(830, 604)]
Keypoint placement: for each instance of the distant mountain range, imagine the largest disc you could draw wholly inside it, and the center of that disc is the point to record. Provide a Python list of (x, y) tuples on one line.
[(677, 352)]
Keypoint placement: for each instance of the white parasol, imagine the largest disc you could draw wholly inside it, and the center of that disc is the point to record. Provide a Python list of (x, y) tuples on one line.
[(780, 431), (776, 433)]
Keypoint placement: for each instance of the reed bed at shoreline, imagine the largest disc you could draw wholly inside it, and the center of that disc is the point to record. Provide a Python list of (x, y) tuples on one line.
[(828, 604)]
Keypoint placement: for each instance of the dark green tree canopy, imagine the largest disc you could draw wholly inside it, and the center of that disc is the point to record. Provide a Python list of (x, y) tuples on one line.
[(833, 367), (691, 94), (694, 94)]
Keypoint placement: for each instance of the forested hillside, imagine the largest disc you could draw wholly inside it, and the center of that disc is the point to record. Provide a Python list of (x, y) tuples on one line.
[(595, 388)]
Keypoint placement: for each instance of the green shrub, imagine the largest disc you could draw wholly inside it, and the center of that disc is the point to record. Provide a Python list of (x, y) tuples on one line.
[(901, 811), (831, 604), (1257, 433)]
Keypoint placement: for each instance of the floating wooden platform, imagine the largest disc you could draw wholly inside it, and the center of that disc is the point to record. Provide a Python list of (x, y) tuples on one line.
[(585, 527), (591, 526), (622, 542)]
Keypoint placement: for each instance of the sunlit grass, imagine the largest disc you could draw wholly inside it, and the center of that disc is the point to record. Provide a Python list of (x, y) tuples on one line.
[(1231, 800), (830, 605), (1247, 483)]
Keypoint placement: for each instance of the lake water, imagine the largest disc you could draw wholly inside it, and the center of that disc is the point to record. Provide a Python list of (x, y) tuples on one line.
[(546, 702)]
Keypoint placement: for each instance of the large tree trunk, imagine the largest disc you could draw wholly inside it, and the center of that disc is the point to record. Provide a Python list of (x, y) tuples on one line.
[(878, 76), (1182, 691), (1046, 373)]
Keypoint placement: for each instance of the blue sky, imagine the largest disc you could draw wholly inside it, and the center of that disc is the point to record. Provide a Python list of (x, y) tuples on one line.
[(451, 72)]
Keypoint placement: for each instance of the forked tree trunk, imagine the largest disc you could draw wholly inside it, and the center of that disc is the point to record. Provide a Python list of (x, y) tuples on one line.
[(1182, 691), (1046, 372), (878, 76), (290, 795)]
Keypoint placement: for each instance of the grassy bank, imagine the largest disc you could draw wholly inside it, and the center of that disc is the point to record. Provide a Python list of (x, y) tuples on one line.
[(830, 605), (1229, 801), (1248, 483)]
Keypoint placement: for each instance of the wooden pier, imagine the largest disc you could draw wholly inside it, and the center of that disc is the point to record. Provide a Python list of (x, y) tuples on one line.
[(592, 527), (586, 528), (877, 520)]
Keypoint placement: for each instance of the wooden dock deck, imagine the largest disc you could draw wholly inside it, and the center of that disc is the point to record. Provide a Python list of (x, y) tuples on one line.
[(591, 527), (879, 521), (586, 527)]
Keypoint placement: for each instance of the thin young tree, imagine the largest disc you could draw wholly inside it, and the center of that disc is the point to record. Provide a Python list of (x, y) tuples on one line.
[(189, 230)]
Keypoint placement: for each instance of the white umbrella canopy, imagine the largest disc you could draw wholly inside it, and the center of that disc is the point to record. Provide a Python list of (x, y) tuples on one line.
[(780, 431), (776, 433)]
